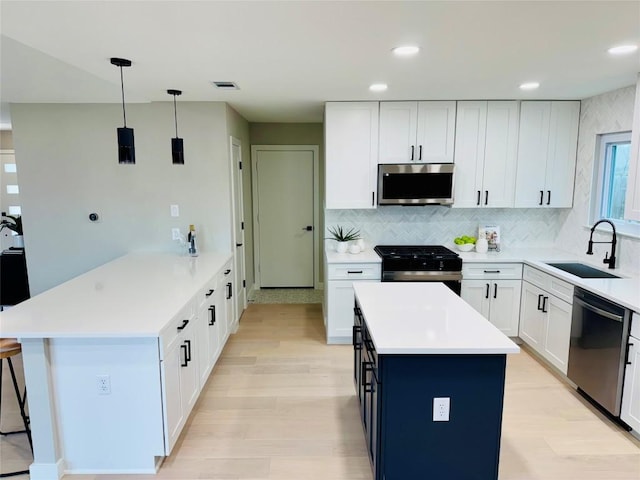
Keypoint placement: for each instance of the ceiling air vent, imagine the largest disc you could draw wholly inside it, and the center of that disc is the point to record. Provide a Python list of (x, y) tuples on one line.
[(225, 85)]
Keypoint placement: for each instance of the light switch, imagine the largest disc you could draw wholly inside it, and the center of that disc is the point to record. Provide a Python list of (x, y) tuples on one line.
[(175, 211)]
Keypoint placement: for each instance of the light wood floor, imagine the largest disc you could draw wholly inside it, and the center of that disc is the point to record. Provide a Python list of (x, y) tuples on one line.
[(280, 404)]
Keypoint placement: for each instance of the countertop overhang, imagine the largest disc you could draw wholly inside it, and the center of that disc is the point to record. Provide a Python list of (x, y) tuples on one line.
[(426, 318), (132, 296)]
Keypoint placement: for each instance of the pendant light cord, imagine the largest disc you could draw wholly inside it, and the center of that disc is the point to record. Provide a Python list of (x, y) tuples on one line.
[(124, 113), (175, 114)]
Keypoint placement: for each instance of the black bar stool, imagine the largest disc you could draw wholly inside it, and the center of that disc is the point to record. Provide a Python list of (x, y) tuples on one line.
[(10, 347)]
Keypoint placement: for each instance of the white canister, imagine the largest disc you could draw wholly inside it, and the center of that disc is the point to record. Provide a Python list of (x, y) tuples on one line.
[(482, 245), (354, 248)]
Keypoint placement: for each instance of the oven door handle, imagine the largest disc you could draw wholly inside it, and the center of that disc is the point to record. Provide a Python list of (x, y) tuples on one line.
[(599, 311)]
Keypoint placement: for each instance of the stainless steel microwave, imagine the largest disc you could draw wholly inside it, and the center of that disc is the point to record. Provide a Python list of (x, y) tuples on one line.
[(415, 184)]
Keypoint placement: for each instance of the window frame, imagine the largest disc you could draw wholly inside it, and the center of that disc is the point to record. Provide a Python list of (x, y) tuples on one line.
[(629, 228)]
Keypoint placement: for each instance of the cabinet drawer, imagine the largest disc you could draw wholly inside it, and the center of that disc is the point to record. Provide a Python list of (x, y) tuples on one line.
[(561, 289), (494, 271), (173, 330), (206, 293), (354, 271)]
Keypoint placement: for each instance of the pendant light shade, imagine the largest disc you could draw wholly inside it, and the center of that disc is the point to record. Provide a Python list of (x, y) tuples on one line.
[(177, 144), (126, 146)]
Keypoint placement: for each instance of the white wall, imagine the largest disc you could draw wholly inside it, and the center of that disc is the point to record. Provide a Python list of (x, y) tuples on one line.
[(606, 113), (68, 163)]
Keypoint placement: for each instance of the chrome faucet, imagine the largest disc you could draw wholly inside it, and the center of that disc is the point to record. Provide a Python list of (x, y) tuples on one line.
[(610, 260)]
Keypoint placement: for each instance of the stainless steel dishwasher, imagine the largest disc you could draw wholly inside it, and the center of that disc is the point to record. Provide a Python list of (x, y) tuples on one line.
[(598, 348)]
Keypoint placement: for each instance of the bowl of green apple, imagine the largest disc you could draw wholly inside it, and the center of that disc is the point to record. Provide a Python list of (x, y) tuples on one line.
[(465, 243)]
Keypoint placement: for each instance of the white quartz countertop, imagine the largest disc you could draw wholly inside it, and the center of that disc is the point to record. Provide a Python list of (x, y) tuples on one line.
[(624, 291), (426, 318), (132, 296), (366, 256)]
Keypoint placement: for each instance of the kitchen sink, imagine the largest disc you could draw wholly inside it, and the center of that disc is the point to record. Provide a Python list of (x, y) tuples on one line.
[(581, 270)]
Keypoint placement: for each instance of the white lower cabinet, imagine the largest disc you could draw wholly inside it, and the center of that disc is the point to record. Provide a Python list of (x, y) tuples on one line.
[(497, 300), (339, 297), (493, 289), (208, 327), (630, 412), (545, 319), (179, 370)]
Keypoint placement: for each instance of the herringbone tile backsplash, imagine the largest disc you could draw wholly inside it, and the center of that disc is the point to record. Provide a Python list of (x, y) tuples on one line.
[(566, 229)]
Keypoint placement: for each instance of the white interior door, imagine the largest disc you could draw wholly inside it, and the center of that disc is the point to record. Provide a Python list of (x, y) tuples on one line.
[(238, 222), (284, 216)]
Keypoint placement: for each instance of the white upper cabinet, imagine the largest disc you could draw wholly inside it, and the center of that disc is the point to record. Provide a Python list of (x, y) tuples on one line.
[(417, 132), (632, 201), (485, 153), (547, 153), (351, 154)]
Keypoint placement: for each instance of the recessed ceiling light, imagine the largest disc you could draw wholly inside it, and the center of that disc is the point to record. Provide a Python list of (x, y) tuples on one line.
[(529, 86), (378, 87), (406, 50), (622, 49)]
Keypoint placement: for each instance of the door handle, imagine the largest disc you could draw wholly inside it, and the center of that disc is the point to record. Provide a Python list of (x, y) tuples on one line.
[(208, 294), (541, 197), (495, 290), (188, 342), (539, 299), (229, 291), (478, 200), (549, 197), (413, 149), (486, 197), (186, 362), (544, 304), (227, 272), (420, 152), (212, 310), (629, 345), (308, 228), (184, 324), (486, 295)]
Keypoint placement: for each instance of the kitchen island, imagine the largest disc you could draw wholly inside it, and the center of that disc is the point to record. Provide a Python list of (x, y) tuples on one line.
[(429, 371), (115, 359)]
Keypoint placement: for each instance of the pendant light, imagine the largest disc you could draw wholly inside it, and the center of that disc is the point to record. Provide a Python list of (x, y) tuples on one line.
[(126, 147), (177, 145)]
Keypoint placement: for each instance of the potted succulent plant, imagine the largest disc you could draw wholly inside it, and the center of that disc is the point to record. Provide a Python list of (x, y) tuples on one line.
[(343, 237), (13, 223)]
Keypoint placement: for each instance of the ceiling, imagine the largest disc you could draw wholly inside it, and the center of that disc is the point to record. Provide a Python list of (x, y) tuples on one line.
[(290, 57)]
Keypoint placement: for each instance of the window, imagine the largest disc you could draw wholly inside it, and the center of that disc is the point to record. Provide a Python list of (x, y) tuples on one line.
[(613, 153)]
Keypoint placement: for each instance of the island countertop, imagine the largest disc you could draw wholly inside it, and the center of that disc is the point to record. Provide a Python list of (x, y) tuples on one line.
[(132, 296), (426, 318)]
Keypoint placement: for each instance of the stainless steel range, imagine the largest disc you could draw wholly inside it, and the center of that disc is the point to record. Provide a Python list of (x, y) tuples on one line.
[(424, 263)]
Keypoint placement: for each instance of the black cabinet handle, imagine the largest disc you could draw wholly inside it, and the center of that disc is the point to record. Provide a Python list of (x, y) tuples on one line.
[(492, 271), (629, 345), (229, 290), (413, 148), (212, 316), (373, 199), (539, 299), (208, 294), (308, 228), (544, 304), (184, 324), (486, 295), (357, 344), (478, 200), (549, 197), (188, 342), (486, 197), (227, 272), (238, 244), (184, 356), (420, 153), (495, 290), (541, 197), (354, 271)]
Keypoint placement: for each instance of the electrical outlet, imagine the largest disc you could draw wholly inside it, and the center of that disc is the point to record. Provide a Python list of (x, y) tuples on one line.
[(441, 409), (175, 211), (103, 384), (175, 234)]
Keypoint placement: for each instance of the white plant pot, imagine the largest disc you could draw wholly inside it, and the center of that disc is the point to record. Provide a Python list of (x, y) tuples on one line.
[(18, 241), (341, 247)]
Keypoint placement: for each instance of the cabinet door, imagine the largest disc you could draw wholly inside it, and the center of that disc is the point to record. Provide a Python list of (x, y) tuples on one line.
[(398, 126), (173, 411), (340, 319), (533, 146), (351, 154), (505, 305), (471, 125), (630, 412), (435, 132), (189, 378), (561, 157), (500, 153), (557, 332), (204, 340), (531, 316), (476, 293)]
